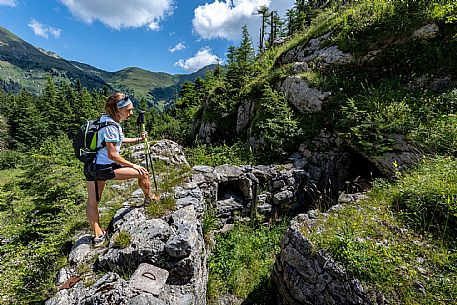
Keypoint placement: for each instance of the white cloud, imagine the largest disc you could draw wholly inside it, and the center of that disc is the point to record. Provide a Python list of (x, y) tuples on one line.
[(11, 3), (119, 14), (224, 19), (44, 30), (180, 46), (203, 58)]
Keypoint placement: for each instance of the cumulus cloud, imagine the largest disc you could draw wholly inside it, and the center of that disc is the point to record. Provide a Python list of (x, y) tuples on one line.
[(11, 3), (203, 58), (44, 30), (224, 19), (180, 46), (118, 14)]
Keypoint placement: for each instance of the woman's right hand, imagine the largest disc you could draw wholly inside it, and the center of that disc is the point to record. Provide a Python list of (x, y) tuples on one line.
[(140, 169)]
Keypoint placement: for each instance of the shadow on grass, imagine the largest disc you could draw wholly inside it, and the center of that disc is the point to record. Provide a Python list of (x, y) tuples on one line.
[(263, 294)]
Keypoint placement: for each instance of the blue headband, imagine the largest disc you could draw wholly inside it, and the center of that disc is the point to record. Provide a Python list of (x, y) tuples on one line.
[(124, 102)]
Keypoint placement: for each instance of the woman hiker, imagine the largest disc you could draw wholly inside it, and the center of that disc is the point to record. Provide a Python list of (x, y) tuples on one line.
[(109, 164)]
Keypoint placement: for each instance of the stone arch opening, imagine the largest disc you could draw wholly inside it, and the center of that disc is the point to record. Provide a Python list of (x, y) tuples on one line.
[(238, 190), (361, 173)]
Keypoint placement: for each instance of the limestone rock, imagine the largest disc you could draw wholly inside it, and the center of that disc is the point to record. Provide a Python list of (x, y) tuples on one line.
[(172, 244), (304, 276), (244, 117), (149, 278), (302, 96), (313, 54), (165, 150), (426, 32)]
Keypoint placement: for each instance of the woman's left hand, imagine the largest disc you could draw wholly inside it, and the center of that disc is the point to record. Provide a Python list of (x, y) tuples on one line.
[(143, 135)]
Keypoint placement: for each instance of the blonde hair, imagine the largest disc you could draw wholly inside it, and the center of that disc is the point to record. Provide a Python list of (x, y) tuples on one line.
[(111, 105)]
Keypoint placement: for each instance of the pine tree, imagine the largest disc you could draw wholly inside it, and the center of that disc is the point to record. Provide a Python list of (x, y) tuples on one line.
[(143, 105), (246, 50), (27, 125), (240, 61), (65, 108), (274, 123), (263, 11)]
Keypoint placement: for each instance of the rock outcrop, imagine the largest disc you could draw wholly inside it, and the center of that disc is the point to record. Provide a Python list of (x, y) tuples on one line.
[(315, 55), (303, 97), (308, 57), (163, 262), (303, 276)]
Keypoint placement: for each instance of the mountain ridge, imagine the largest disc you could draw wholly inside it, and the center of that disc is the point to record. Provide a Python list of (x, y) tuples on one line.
[(28, 67)]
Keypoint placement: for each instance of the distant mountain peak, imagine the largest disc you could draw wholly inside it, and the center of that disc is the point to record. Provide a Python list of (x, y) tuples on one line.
[(49, 53)]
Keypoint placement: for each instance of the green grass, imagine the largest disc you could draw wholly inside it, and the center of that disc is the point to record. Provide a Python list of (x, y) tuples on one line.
[(170, 176), (426, 197), (241, 262), (31, 81), (237, 154), (122, 240), (427, 120), (375, 245), (162, 207), (167, 178)]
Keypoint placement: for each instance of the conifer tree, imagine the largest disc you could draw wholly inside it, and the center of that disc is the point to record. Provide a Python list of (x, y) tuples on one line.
[(263, 11), (240, 61), (48, 106), (4, 133), (27, 126), (246, 50), (274, 123), (275, 25), (143, 105)]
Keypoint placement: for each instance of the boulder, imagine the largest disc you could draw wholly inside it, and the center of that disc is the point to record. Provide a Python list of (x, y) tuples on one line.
[(428, 31), (303, 97)]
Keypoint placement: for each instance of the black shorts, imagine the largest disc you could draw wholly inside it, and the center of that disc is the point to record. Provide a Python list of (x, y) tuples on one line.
[(101, 172)]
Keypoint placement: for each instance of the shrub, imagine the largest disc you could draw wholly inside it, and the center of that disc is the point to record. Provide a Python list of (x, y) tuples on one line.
[(10, 159), (41, 217)]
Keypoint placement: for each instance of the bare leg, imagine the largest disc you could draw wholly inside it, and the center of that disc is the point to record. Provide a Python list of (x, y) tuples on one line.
[(92, 206), (144, 180)]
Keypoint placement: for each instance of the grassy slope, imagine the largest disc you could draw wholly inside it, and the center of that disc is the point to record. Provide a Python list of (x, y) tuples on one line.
[(371, 100), (417, 265), (139, 80), (393, 254)]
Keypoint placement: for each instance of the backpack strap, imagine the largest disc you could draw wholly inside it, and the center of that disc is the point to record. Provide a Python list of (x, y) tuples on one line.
[(103, 125)]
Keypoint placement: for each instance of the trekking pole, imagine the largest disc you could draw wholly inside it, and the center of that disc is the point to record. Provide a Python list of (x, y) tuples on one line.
[(147, 151)]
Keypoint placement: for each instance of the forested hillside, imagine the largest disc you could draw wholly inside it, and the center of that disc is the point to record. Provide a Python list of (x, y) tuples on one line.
[(360, 94)]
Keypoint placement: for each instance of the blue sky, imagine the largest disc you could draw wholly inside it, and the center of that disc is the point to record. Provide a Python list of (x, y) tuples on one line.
[(173, 36)]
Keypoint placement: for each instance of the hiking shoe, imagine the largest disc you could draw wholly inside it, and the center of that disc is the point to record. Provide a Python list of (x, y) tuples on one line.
[(152, 198), (100, 241)]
